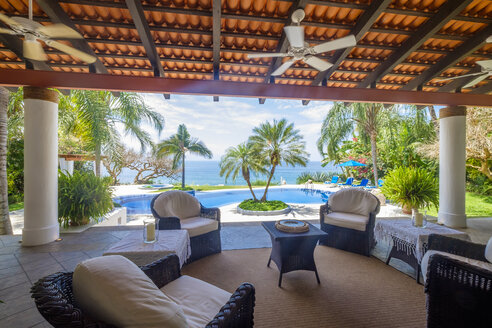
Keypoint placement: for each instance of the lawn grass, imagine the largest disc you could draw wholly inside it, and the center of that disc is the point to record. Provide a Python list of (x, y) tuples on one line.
[(476, 205), (269, 205), (16, 206)]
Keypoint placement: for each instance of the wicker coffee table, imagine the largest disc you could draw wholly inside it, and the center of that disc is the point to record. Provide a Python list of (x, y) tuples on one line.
[(293, 251)]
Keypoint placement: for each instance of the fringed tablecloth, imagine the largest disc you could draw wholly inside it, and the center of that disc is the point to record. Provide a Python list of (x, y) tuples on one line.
[(140, 253), (410, 239)]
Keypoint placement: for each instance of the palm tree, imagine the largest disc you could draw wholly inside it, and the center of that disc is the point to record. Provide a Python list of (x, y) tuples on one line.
[(97, 114), (5, 226), (242, 159), (339, 124), (179, 144), (279, 143)]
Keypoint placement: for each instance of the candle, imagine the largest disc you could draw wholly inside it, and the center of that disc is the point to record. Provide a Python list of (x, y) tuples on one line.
[(419, 219), (151, 231)]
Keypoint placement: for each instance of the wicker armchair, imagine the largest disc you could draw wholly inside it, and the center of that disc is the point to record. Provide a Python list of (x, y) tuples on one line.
[(458, 294), (349, 217), (55, 301), (176, 208)]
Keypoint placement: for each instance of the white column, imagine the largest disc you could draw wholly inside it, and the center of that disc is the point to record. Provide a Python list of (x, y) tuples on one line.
[(40, 166), (452, 169)]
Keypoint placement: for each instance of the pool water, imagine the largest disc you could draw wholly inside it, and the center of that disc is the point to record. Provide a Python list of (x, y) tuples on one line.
[(140, 204)]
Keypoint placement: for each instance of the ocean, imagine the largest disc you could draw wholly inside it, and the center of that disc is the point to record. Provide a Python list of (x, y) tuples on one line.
[(207, 173)]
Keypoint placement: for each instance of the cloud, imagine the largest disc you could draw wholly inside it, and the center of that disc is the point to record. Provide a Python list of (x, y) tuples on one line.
[(220, 125)]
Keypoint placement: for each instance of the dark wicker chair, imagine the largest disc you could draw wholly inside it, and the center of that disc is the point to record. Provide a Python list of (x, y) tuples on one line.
[(201, 245), (458, 294), (356, 241), (55, 301)]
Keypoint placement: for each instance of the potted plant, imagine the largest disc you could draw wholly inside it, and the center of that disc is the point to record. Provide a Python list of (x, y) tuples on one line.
[(413, 188), (82, 196)]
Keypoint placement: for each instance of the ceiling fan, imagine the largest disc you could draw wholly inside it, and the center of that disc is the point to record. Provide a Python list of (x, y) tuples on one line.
[(300, 50), (485, 72), (33, 31)]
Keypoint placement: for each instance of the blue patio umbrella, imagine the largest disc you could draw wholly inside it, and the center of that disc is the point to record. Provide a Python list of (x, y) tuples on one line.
[(352, 163)]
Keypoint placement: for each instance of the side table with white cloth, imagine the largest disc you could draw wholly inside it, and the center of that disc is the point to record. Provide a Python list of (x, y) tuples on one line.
[(170, 242), (410, 242)]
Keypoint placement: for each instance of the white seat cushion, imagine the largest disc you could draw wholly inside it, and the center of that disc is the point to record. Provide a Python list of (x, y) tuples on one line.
[(197, 226), (199, 300), (425, 261), (347, 220), (114, 290)]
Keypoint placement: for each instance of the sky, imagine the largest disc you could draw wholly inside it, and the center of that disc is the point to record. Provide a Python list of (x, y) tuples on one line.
[(230, 121)]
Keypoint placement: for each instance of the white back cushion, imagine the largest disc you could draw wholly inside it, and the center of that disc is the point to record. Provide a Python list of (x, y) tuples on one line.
[(353, 200), (114, 290), (177, 203), (488, 250)]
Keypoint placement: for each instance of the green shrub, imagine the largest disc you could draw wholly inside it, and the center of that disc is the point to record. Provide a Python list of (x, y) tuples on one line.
[(269, 205), (263, 183), (186, 188), (315, 177), (411, 187), (15, 170), (82, 197)]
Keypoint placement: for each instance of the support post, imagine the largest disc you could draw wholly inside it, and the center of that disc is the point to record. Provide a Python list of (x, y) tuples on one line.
[(452, 166), (40, 166)]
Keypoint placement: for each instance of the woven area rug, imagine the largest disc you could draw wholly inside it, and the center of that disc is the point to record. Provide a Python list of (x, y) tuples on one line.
[(355, 291)]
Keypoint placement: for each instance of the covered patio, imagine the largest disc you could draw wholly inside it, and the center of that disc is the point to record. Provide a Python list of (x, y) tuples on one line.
[(404, 50)]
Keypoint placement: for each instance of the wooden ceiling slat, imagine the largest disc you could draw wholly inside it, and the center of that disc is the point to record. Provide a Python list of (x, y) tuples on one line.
[(446, 12), (468, 47)]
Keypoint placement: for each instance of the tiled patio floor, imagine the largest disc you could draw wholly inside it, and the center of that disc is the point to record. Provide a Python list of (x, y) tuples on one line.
[(21, 266)]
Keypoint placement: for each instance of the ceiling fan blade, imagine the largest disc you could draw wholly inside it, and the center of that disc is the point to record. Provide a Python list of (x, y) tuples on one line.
[(295, 35), (266, 54), (489, 39), (32, 49), (7, 20), (460, 76), (57, 31), (71, 51), (319, 64), (6, 31), (476, 80), (285, 66), (345, 42), (487, 64)]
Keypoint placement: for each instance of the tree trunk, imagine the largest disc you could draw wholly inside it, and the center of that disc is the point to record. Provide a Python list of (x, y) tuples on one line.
[(435, 122), (272, 172), (374, 158), (5, 225), (246, 177), (183, 172), (97, 163)]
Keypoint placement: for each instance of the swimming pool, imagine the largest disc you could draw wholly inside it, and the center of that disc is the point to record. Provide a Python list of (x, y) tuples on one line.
[(140, 204)]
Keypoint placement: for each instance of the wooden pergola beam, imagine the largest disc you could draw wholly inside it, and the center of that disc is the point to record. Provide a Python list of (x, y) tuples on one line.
[(138, 16), (216, 26), (465, 49), (446, 12), (58, 15), (364, 23), (91, 81)]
